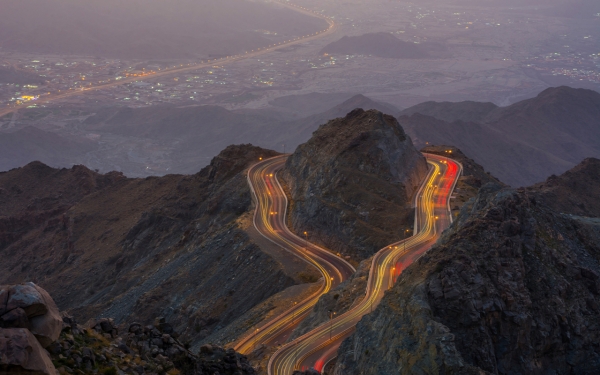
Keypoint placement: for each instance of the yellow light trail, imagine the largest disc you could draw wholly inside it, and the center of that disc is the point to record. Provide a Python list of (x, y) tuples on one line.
[(315, 348), (270, 198)]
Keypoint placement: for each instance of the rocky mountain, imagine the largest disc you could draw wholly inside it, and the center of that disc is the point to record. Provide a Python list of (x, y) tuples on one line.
[(471, 180), (523, 143), (351, 185), (133, 249), (350, 292), (512, 287), (376, 44)]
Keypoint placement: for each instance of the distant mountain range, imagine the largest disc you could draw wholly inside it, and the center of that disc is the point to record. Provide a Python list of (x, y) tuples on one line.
[(520, 144)]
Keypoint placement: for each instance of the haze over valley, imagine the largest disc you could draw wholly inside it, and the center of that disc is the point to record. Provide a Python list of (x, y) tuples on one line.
[(299, 187)]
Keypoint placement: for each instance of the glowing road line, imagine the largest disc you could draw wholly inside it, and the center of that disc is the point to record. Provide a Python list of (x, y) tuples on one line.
[(301, 352), (270, 198)]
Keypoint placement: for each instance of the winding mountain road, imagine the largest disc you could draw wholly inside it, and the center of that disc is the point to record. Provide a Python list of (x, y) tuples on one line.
[(317, 347), (269, 220)]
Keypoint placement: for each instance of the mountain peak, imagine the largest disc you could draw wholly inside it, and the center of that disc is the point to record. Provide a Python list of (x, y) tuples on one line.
[(354, 177)]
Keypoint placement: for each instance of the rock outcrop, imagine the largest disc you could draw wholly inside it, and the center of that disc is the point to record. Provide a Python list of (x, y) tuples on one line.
[(29, 322), (99, 346), (133, 249), (352, 183), (513, 287)]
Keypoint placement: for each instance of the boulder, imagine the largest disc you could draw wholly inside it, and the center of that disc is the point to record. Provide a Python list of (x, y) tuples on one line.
[(15, 318), (25, 296), (20, 352), (47, 327), (29, 306)]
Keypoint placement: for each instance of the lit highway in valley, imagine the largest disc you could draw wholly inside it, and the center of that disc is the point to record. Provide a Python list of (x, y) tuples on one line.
[(269, 220), (184, 68), (317, 347)]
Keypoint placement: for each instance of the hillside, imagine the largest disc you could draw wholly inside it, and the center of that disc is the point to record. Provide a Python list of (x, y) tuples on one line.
[(198, 132), (450, 112), (512, 287), (523, 143), (133, 249), (351, 185)]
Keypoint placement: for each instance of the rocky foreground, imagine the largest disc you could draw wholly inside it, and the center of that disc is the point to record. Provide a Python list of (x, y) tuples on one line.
[(513, 287), (36, 339)]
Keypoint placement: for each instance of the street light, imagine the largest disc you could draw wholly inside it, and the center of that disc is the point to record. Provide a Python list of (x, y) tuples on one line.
[(306, 239), (331, 314)]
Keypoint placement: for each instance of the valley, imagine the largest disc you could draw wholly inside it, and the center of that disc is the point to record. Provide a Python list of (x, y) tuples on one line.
[(306, 187)]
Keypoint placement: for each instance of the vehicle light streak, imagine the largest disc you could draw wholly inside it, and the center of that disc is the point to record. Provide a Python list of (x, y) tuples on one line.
[(270, 198), (433, 215)]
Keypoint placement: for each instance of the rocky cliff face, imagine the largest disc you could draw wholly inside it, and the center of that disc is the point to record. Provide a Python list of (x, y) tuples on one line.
[(513, 287), (106, 245), (352, 183)]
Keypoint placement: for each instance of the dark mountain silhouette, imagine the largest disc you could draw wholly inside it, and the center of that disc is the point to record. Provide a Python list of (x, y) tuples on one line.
[(522, 143)]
